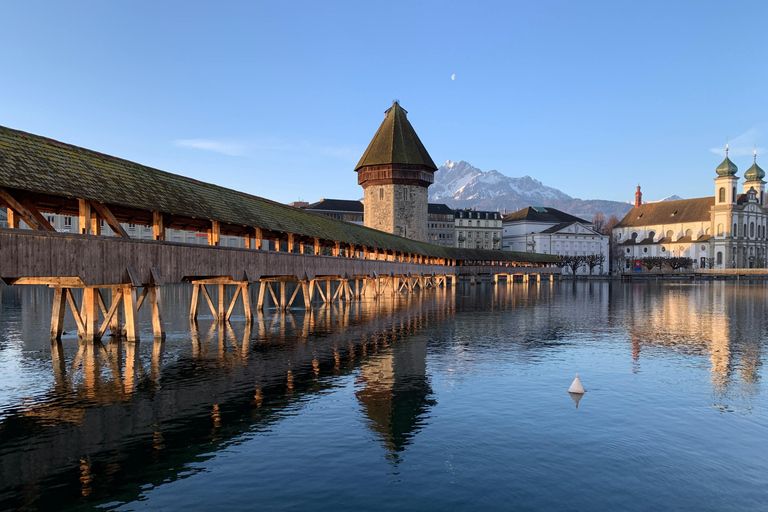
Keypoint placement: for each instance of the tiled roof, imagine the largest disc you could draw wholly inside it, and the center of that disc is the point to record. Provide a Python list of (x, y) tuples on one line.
[(38, 164), (669, 212), (336, 205), (542, 214), (396, 142), (439, 209)]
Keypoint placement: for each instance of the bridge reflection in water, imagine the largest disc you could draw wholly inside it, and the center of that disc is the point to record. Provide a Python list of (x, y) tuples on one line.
[(122, 415)]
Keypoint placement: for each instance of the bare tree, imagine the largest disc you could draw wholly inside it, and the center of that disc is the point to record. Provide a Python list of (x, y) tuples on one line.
[(593, 260), (680, 262), (574, 262), (598, 221), (611, 223), (652, 262), (710, 262)]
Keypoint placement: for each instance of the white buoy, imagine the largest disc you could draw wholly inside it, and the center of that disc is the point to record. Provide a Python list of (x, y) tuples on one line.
[(576, 386)]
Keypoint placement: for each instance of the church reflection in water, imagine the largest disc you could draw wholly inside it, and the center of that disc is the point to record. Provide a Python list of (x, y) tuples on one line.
[(729, 330)]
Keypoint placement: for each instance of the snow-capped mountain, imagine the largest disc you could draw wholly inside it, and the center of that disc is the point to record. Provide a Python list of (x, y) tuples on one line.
[(460, 185), (670, 198)]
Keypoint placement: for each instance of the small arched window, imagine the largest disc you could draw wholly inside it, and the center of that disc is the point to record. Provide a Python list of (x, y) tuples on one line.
[(722, 195), (735, 230), (719, 230), (688, 232), (670, 234), (751, 229), (719, 258), (652, 235)]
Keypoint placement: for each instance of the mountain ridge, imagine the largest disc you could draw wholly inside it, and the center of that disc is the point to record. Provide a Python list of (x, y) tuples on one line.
[(461, 185)]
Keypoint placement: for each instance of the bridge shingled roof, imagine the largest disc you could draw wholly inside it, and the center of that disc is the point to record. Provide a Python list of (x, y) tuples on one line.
[(38, 164)]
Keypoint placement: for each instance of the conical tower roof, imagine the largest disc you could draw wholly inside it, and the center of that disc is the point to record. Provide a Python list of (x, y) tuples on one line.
[(396, 142)]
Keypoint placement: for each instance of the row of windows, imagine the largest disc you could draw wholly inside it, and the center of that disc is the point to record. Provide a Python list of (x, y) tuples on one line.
[(484, 223)]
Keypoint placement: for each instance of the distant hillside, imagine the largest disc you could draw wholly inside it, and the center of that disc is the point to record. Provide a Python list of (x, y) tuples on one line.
[(460, 185)]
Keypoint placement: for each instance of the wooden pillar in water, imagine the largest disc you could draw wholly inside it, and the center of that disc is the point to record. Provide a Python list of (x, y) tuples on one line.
[(155, 304), (59, 308), (130, 309)]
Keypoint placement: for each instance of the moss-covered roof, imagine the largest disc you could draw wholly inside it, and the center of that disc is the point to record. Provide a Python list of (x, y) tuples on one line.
[(396, 142), (38, 164)]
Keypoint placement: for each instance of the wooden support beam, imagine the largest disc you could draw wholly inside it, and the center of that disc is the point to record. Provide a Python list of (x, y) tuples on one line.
[(272, 293), (222, 293), (258, 238), (233, 302), (214, 233), (95, 223), (336, 249), (26, 210), (158, 226), (260, 300), (90, 314), (209, 302), (110, 315), (75, 310), (84, 216), (283, 304), (305, 293), (156, 308), (291, 244), (317, 246), (131, 313), (57, 316), (193, 307), (110, 219), (293, 296), (245, 294)]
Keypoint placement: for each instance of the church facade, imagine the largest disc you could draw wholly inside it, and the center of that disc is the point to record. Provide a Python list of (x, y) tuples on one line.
[(727, 230)]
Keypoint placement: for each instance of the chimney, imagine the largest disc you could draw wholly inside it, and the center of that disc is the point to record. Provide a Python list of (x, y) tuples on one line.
[(638, 197)]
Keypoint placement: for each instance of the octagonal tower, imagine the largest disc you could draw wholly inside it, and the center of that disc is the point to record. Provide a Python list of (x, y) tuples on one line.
[(395, 173)]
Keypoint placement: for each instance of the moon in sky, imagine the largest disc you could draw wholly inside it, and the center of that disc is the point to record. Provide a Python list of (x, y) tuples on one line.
[(453, 76)]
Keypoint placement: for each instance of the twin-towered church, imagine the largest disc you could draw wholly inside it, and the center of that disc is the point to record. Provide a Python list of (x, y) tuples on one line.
[(727, 230)]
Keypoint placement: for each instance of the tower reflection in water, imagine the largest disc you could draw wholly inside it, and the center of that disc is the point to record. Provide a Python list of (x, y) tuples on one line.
[(121, 414), (394, 392)]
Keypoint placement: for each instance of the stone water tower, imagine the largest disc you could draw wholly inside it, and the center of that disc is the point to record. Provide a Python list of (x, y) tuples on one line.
[(395, 173)]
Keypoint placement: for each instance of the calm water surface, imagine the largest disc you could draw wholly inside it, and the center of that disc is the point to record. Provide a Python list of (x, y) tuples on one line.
[(431, 402)]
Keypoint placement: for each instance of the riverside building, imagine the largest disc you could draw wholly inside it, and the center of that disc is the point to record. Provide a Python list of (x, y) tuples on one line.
[(478, 229), (549, 231), (727, 230)]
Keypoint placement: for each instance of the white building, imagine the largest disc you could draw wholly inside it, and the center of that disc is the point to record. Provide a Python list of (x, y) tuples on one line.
[(550, 231), (477, 229), (727, 230)]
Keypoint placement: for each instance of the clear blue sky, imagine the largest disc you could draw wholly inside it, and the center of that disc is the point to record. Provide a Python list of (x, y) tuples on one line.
[(280, 99)]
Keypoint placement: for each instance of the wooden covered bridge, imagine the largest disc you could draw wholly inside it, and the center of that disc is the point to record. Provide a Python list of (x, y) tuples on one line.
[(329, 260)]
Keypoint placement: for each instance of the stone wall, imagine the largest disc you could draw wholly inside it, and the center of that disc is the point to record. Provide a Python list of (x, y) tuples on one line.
[(397, 209)]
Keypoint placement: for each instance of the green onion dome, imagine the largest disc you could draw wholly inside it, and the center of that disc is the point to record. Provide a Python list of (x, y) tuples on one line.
[(754, 173), (727, 168)]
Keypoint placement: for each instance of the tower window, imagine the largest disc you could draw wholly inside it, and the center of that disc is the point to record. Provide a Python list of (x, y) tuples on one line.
[(722, 195)]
